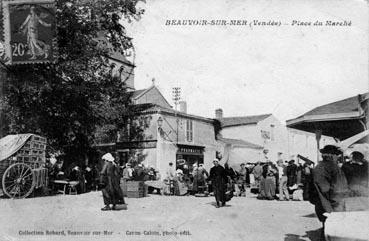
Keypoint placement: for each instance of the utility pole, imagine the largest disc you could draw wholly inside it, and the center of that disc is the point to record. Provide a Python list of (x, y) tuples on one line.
[(176, 98)]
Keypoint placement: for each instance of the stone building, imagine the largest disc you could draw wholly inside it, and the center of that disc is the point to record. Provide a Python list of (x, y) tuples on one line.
[(170, 135)]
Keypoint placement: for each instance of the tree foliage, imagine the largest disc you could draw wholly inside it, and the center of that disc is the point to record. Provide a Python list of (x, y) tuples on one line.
[(76, 99)]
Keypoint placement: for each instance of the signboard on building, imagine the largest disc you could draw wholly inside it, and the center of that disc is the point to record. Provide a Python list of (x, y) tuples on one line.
[(190, 150), (29, 31)]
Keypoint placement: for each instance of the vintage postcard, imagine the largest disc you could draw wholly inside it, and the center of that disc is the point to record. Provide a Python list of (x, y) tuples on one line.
[(184, 120)]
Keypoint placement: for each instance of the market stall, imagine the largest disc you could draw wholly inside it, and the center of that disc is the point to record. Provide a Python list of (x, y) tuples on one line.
[(22, 159)]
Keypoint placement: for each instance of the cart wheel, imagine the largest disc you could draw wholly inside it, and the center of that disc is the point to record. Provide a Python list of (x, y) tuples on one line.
[(18, 181)]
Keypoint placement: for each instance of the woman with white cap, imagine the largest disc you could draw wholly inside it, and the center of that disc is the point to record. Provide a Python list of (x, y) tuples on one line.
[(110, 180)]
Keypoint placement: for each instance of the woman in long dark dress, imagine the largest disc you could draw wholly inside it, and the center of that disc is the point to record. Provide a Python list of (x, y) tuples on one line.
[(218, 179), (112, 193)]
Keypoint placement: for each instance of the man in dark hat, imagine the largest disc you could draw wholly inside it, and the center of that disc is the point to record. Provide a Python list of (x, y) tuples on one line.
[(356, 172), (291, 173), (218, 177), (330, 183)]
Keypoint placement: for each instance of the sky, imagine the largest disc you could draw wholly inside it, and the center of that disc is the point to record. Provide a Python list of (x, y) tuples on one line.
[(247, 70)]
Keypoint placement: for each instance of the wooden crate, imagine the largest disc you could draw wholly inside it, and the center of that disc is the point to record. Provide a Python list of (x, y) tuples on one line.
[(134, 189), (133, 186), (123, 186), (131, 194)]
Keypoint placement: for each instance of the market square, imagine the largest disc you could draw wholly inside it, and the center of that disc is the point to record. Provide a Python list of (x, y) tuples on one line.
[(158, 120)]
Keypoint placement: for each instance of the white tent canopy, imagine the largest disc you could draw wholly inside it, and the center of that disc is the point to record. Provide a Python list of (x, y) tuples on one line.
[(361, 138), (358, 142)]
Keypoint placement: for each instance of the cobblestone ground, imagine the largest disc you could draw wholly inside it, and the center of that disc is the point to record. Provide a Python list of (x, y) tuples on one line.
[(156, 218)]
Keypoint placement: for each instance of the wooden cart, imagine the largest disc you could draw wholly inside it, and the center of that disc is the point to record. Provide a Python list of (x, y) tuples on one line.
[(22, 164)]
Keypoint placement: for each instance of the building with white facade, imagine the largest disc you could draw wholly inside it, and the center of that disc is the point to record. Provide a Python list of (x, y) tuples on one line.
[(277, 141)]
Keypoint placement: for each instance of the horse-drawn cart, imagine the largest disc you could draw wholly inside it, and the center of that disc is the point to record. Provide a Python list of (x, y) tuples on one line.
[(22, 159)]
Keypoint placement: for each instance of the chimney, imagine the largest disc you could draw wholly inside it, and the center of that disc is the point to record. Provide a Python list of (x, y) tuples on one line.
[(218, 113), (183, 106)]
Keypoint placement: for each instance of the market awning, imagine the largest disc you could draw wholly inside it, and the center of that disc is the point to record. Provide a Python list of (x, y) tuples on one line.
[(340, 119)]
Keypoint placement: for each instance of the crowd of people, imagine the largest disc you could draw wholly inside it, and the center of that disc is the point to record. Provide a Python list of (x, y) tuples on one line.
[(335, 184), (197, 180), (185, 180), (339, 184), (85, 175), (283, 178)]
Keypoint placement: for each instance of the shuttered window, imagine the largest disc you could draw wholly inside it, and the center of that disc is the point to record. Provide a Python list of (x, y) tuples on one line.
[(189, 131)]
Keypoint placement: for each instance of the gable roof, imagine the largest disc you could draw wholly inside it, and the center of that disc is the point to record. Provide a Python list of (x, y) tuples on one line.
[(242, 120), (239, 143), (343, 106), (340, 119), (137, 94), (343, 109), (157, 109)]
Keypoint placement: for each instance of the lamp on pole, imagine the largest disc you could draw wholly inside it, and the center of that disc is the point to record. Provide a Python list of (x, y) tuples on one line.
[(163, 133)]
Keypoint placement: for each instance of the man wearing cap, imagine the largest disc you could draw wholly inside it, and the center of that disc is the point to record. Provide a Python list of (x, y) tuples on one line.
[(356, 172), (257, 172), (199, 175), (218, 178), (330, 184)]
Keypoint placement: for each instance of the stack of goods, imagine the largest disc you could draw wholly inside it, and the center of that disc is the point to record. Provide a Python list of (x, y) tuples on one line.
[(22, 148), (33, 151), (136, 189), (123, 186)]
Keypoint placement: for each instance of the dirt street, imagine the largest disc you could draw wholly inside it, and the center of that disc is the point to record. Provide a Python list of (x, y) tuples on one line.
[(78, 217)]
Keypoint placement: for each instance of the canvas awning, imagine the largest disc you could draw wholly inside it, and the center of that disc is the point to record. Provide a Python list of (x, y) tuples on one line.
[(10, 144)]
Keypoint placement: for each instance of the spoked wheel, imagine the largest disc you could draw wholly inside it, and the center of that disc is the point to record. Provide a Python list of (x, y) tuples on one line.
[(18, 181)]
